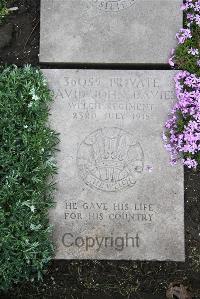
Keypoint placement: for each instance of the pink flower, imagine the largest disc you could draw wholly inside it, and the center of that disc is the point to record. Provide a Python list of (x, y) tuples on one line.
[(190, 163), (171, 63), (183, 35), (193, 51)]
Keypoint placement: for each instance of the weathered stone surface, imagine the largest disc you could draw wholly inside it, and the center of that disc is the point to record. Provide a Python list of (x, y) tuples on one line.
[(118, 197), (120, 31), (6, 32)]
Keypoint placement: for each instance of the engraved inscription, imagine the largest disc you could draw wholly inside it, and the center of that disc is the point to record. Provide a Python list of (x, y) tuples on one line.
[(110, 159), (113, 5)]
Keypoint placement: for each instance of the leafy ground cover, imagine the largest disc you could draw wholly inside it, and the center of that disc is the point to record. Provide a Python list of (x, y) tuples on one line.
[(182, 135), (26, 162), (186, 56)]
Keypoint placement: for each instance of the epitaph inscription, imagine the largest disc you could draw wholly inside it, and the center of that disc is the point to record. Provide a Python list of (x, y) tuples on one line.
[(113, 5), (117, 195)]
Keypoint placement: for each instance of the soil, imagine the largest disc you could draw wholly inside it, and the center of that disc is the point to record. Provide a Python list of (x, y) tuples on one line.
[(100, 279), (23, 47)]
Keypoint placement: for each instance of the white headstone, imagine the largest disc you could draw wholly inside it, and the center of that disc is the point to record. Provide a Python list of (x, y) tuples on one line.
[(118, 197), (117, 31)]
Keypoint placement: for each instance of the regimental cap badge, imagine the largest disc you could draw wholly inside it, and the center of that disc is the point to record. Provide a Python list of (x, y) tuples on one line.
[(109, 159)]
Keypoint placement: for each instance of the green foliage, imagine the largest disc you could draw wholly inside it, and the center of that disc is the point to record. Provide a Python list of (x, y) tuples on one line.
[(3, 10), (182, 121), (27, 147)]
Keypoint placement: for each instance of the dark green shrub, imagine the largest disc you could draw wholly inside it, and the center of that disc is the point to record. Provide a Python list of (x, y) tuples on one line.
[(27, 146)]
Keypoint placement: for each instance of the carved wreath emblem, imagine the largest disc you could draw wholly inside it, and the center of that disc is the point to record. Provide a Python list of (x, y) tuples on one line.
[(109, 159)]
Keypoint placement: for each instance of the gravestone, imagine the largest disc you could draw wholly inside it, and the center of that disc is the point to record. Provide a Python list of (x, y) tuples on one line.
[(118, 197), (104, 31)]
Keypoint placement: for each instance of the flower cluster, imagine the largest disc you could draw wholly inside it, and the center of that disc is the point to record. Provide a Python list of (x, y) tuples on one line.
[(183, 35), (182, 129), (192, 7), (182, 135), (188, 38)]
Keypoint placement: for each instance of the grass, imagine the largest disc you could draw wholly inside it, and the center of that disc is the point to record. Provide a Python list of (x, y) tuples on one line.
[(27, 146)]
